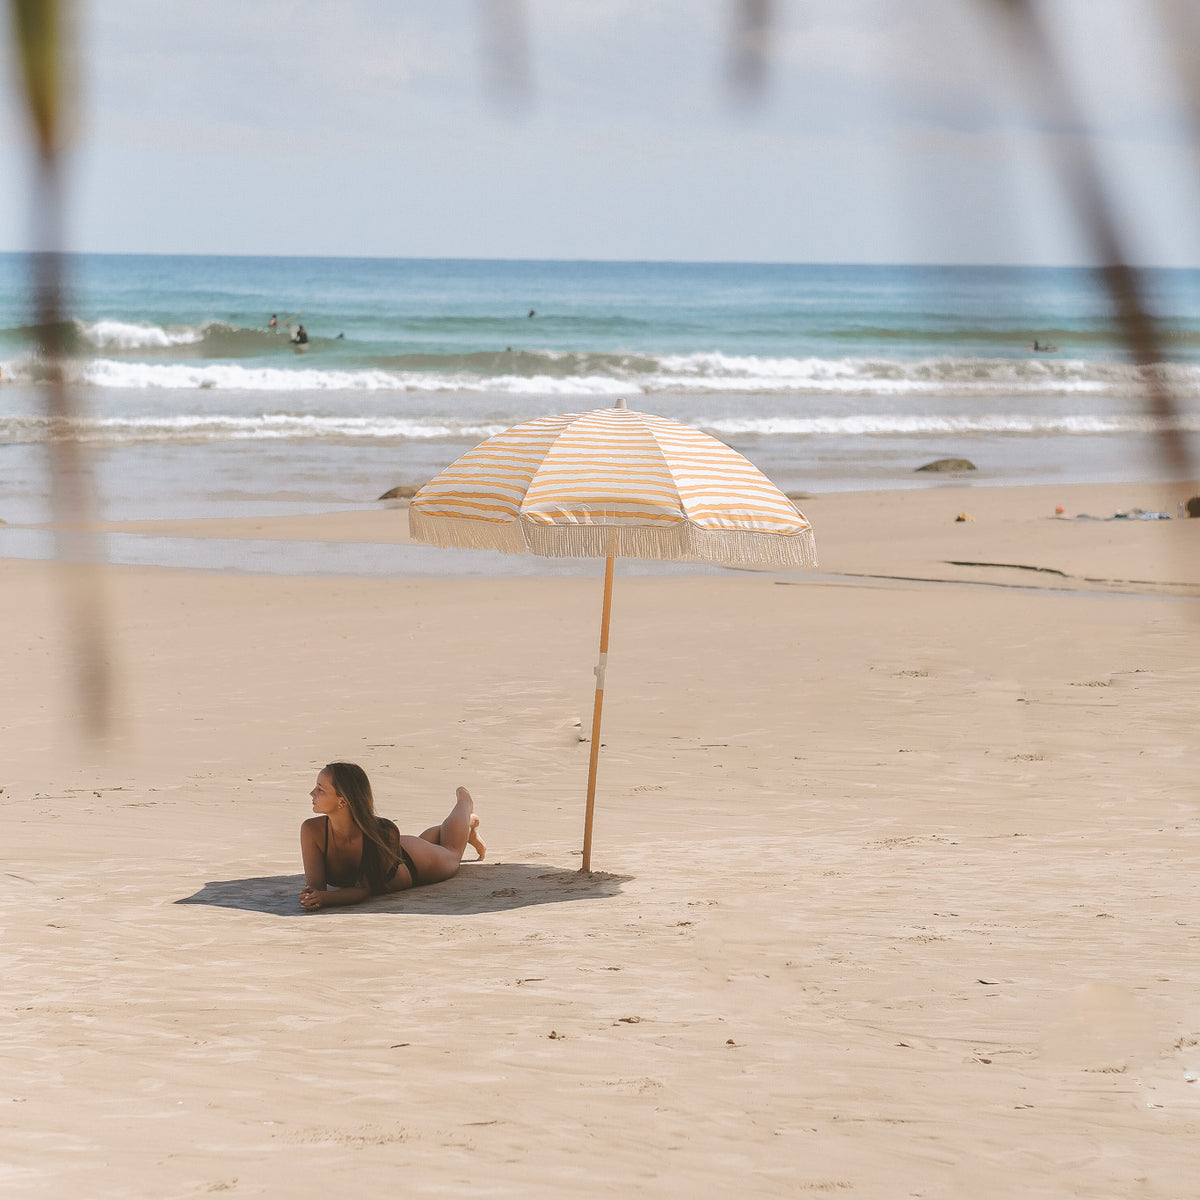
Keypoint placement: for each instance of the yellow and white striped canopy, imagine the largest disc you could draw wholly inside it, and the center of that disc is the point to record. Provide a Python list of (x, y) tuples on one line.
[(612, 482)]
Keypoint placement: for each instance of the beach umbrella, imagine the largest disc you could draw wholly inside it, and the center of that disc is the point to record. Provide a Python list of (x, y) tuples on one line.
[(607, 483)]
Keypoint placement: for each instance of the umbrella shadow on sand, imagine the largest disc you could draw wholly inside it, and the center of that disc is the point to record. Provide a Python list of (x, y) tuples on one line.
[(486, 887)]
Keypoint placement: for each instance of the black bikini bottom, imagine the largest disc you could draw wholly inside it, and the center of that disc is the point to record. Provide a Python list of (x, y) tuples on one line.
[(407, 860)]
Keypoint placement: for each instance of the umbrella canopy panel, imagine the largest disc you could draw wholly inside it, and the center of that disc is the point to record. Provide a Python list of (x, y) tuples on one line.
[(612, 482)]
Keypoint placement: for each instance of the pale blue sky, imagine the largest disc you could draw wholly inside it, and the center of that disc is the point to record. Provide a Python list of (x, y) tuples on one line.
[(891, 131)]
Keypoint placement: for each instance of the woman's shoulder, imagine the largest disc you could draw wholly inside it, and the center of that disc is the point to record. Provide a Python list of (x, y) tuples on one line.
[(313, 825)]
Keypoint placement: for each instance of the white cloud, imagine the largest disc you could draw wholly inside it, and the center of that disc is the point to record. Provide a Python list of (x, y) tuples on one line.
[(887, 130)]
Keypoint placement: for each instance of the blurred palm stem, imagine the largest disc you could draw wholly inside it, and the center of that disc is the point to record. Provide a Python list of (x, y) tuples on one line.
[(1085, 191), (39, 27)]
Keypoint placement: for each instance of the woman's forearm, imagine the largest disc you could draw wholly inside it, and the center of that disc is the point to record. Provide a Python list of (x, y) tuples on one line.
[(341, 897)]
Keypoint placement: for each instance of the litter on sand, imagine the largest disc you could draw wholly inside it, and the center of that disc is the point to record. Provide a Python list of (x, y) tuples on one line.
[(1130, 514)]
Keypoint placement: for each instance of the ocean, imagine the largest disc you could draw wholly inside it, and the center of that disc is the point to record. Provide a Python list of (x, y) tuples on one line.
[(828, 378)]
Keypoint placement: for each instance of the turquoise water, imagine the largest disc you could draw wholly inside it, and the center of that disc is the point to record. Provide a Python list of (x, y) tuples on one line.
[(827, 377), (430, 323)]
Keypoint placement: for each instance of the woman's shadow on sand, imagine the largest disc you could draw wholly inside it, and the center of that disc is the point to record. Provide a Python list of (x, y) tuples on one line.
[(477, 888)]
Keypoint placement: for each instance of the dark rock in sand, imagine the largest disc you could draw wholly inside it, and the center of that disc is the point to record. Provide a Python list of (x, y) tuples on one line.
[(949, 464), (402, 492), (1193, 507)]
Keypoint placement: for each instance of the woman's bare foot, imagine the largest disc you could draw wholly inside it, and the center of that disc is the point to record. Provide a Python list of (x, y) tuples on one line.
[(473, 838)]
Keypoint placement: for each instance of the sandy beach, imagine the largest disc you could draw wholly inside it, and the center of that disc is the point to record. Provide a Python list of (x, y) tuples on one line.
[(895, 890)]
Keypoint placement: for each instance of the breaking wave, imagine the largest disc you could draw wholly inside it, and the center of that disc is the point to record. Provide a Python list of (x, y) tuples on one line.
[(26, 429), (122, 335), (548, 373)]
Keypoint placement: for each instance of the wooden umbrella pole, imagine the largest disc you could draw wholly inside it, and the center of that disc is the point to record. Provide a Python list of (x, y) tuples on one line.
[(594, 759)]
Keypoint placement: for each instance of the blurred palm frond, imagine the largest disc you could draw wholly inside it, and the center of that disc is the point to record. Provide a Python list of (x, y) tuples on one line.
[(504, 33), (39, 28), (752, 32), (1085, 190), (37, 25)]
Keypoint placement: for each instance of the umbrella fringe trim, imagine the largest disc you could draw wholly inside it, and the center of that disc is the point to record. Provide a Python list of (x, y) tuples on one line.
[(682, 541)]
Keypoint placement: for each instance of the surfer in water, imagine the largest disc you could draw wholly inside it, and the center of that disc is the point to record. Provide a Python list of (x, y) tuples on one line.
[(300, 336)]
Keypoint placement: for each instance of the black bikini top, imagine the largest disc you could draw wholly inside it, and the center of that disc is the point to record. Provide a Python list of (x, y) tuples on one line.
[(392, 835)]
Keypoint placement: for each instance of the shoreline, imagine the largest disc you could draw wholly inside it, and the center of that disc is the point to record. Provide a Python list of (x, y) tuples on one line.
[(1008, 535)]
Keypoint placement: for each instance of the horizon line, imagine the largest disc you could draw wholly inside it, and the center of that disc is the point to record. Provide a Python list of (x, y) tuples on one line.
[(694, 262)]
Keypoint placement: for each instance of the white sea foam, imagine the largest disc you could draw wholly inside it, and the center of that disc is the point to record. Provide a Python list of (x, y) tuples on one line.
[(121, 335), (110, 373), (225, 376), (929, 424), (305, 426), (691, 374), (220, 427), (863, 376)]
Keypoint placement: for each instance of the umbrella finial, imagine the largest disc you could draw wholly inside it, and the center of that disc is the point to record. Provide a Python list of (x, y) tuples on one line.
[(620, 404)]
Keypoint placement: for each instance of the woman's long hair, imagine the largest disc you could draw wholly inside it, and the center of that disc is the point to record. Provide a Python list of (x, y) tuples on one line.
[(381, 839)]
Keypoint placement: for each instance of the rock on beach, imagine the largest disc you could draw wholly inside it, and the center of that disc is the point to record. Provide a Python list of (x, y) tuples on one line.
[(949, 464)]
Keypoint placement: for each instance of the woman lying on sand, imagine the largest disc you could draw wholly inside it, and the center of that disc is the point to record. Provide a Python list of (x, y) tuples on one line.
[(360, 855)]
